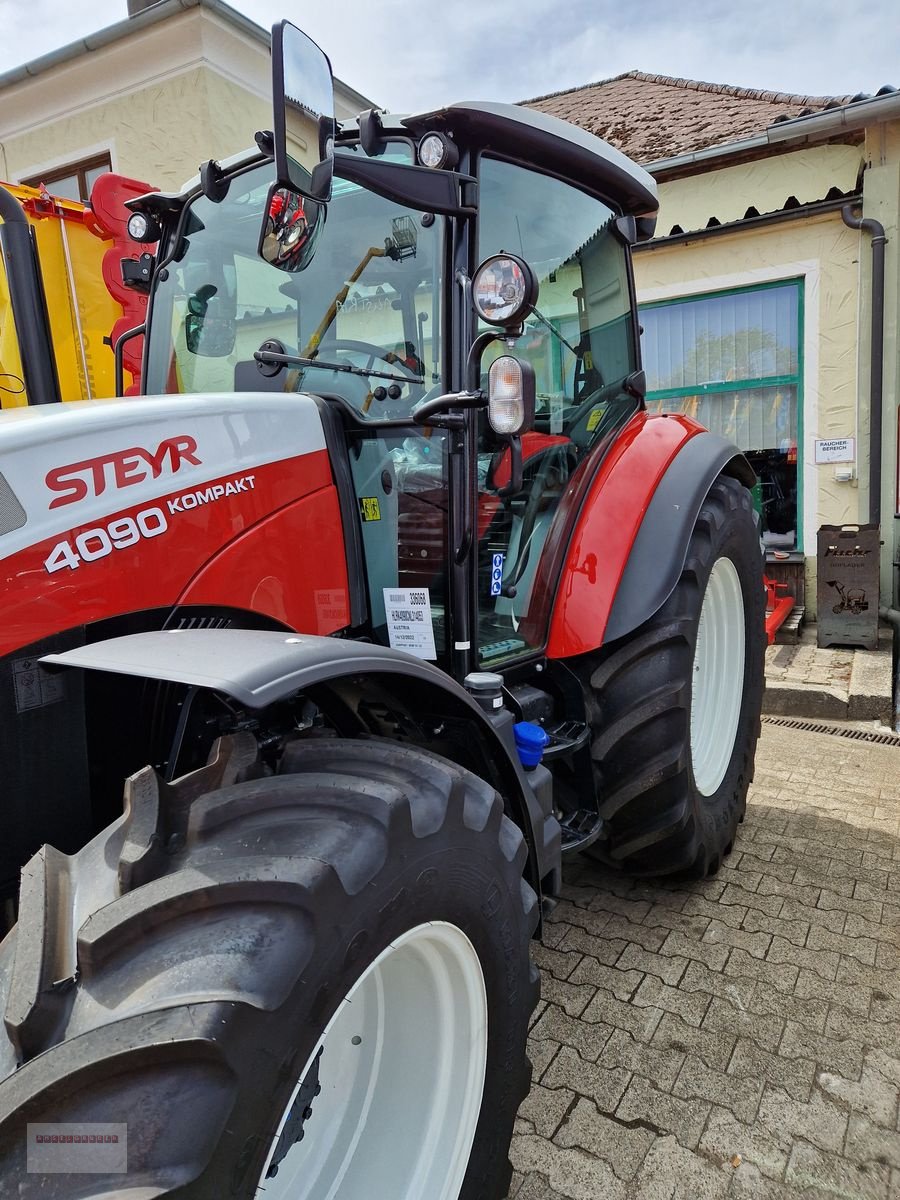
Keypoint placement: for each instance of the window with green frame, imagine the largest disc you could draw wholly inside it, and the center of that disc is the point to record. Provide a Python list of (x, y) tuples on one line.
[(733, 361)]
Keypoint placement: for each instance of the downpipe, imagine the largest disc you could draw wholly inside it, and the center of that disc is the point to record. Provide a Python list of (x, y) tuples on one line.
[(892, 617), (876, 354)]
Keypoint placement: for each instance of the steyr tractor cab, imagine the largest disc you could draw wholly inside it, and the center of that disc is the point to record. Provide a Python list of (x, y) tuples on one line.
[(388, 593)]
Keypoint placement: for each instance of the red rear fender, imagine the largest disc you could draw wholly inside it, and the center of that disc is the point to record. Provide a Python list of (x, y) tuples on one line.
[(606, 526)]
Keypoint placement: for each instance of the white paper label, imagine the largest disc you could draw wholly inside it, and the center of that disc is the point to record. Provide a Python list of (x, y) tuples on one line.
[(408, 613), (835, 450)]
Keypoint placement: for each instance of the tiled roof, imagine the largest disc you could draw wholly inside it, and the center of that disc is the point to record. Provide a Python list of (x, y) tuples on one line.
[(654, 117)]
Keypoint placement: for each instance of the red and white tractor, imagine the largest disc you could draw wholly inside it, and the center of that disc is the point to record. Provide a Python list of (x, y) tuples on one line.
[(386, 595)]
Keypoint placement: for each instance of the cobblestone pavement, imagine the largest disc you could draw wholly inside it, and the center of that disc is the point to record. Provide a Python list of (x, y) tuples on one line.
[(737, 1037)]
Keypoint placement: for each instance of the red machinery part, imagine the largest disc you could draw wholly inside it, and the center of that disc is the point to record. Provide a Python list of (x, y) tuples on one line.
[(108, 218)]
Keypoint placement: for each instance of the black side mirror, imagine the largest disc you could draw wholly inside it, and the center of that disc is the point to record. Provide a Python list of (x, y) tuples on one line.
[(303, 98)]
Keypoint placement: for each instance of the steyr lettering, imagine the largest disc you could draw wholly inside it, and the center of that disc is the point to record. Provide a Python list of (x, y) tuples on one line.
[(120, 469)]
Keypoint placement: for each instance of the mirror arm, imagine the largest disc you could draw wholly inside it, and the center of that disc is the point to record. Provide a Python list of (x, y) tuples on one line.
[(417, 187), (435, 411), (515, 468)]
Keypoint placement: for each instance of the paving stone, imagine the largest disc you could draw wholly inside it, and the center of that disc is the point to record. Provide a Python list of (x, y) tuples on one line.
[(887, 930), (570, 997), (622, 984), (640, 1022), (782, 976), (764, 1029), (650, 937), (870, 1144), (582, 918), (820, 1175), (847, 942), (731, 914), (794, 1075), (795, 932), (605, 950), (873, 1096), (726, 1136), (643, 1102), (654, 1063), (777, 889), (573, 1173), (822, 962), (570, 1072), (667, 918), (541, 1054), (620, 1146), (698, 978), (682, 945), (607, 902), (827, 918), (761, 863), (582, 1035), (713, 1046), (749, 1183), (534, 1187), (868, 903), (856, 998), (741, 1095), (652, 993), (668, 968), (555, 962), (670, 1172), (545, 1107), (872, 1034), (554, 930), (771, 904), (539, 1009), (831, 884), (811, 1011), (819, 1120), (756, 944), (854, 974), (844, 1056)]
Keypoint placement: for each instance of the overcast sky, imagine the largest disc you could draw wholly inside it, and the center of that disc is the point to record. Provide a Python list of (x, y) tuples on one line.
[(406, 55)]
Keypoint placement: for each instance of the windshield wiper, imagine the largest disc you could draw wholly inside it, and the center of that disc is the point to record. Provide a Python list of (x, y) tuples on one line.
[(543, 320), (280, 358)]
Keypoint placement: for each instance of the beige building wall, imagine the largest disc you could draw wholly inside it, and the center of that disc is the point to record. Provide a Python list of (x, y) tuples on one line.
[(825, 255), (161, 101)]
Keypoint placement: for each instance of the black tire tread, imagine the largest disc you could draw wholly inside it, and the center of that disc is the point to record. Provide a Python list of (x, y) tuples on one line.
[(639, 690), (254, 855)]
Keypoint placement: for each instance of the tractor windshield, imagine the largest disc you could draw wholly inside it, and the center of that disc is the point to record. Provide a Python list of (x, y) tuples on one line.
[(363, 317)]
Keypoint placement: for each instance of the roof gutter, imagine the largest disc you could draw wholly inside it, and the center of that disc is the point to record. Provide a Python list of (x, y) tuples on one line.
[(836, 120), (728, 150), (162, 10)]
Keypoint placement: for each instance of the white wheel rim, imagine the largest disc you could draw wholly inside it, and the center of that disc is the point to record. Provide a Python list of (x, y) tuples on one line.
[(402, 1076), (718, 677)]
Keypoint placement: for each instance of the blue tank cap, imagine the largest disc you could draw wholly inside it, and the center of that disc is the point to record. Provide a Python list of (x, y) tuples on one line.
[(530, 743)]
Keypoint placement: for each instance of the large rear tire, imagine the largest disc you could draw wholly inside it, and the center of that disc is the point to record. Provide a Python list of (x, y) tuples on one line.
[(675, 705), (319, 989)]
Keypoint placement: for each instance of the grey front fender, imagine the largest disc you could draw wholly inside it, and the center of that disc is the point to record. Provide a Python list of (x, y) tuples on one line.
[(259, 668)]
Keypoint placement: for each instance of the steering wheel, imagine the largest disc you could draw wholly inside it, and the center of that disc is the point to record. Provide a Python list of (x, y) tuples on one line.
[(371, 350)]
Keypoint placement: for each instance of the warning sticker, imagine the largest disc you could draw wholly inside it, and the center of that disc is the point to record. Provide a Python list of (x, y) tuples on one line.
[(34, 686), (370, 508), (497, 574), (596, 416), (409, 626)]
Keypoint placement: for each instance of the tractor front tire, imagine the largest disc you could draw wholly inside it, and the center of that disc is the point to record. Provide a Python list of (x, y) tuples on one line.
[(675, 705), (321, 989)]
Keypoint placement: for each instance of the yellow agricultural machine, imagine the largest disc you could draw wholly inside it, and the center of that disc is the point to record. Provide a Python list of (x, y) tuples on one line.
[(88, 303)]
